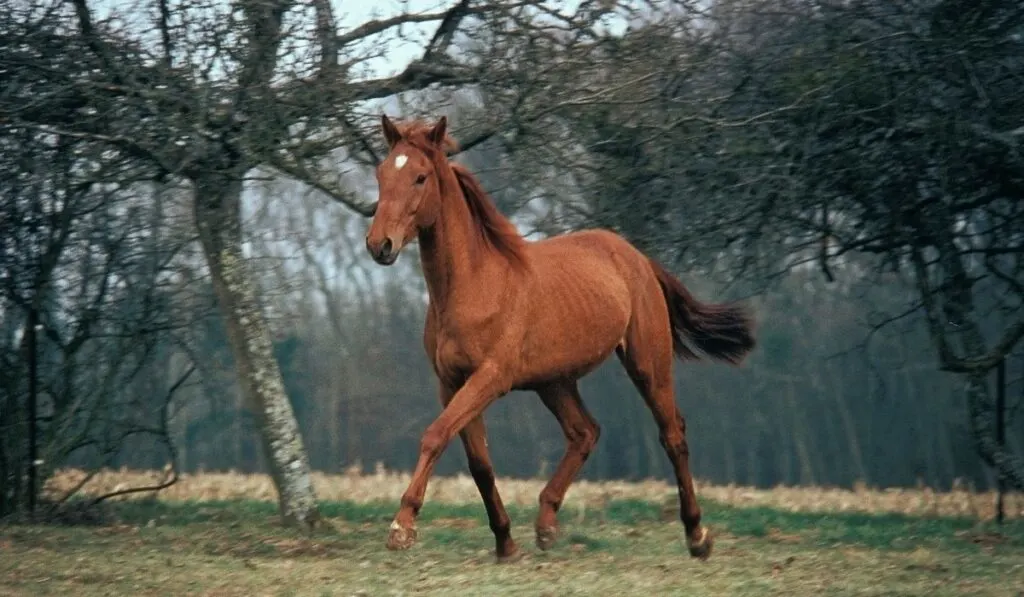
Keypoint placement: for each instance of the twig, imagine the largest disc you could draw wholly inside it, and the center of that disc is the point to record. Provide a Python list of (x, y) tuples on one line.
[(165, 434)]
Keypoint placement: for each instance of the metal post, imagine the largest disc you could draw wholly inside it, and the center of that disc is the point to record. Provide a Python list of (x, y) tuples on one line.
[(1000, 435)]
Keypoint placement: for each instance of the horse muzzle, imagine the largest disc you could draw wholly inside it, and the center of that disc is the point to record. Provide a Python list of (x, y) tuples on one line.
[(384, 251)]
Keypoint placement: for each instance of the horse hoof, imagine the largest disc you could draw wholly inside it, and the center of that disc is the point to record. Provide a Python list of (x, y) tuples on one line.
[(509, 557), (701, 548), (546, 537), (400, 538)]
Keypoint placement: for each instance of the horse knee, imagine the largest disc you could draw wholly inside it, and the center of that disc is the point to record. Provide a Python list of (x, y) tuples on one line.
[(584, 438), (433, 442)]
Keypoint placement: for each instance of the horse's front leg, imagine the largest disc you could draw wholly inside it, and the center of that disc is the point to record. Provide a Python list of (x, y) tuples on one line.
[(482, 388), (474, 440)]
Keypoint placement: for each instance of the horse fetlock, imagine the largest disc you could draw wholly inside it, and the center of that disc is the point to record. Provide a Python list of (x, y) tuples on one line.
[(502, 528), (410, 505), (507, 551)]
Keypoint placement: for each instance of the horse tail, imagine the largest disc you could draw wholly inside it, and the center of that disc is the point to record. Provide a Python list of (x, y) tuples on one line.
[(724, 332)]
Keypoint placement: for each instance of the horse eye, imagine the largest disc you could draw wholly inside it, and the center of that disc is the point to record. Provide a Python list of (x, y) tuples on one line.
[(422, 178)]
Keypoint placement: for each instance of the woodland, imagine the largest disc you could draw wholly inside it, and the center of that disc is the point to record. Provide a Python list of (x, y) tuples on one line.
[(185, 185)]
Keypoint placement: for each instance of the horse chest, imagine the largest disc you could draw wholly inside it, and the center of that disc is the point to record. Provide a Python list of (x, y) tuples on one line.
[(462, 346), (454, 358), (467, 330)]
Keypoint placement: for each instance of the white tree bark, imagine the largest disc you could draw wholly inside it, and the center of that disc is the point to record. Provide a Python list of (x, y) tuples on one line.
[(217, 212)]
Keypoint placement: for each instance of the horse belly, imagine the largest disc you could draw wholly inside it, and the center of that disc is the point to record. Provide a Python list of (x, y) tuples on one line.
[(574, 339)]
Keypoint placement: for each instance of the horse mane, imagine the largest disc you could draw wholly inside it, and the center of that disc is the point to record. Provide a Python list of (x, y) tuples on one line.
[(492, 227)]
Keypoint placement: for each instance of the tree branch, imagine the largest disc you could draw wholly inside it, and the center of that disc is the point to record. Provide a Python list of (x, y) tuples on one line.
[(452, 15), (479, 138), (302, 174), (948, 360), (129, 146), (361, 139), (165, 33), (163, 432), (326, 35), (415, 77), (983, 364), (89, 34), (446, 30)]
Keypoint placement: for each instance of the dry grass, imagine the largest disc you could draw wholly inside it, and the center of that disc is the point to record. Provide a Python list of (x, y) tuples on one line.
[(217, 534), (238, 549), (388, 486)]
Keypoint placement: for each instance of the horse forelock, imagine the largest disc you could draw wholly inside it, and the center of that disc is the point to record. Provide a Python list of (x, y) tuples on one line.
[(416, 133)]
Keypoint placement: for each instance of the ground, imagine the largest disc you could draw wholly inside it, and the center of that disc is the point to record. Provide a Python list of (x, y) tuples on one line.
[(624, 546)]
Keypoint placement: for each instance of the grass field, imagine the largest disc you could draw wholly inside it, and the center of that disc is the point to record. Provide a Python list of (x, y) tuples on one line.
[(208, 536)]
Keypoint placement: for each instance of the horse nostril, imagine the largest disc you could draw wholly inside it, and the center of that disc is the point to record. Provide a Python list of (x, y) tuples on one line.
[(385, 248)]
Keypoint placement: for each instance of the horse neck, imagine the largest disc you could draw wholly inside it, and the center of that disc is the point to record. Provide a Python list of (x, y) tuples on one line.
[(449, 253)]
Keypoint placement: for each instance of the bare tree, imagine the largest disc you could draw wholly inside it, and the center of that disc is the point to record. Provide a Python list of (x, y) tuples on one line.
[(87, 307), (212, 92), (836, 137)]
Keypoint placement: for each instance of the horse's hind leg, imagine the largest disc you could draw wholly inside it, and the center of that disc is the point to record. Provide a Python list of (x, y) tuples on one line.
[(648, 362), (474, 440), (581, 434)]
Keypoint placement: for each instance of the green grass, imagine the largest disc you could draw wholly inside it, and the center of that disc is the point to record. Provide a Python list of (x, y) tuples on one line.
[(238, 548)]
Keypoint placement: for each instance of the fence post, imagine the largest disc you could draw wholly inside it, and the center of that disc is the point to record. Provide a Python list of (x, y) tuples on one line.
[(33, 451)]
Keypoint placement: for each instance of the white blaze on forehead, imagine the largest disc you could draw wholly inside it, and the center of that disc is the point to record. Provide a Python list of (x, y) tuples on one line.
[(400, 160)]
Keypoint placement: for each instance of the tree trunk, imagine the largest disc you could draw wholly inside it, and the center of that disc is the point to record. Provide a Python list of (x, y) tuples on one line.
[(217, 203), (958, 311), (981, 411)]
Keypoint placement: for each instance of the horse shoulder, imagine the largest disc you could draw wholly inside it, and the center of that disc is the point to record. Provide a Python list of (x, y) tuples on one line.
[(481, 327)]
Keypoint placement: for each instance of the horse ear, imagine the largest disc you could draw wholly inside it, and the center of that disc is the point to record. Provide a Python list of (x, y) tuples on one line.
[(437, 134), (391, 133)]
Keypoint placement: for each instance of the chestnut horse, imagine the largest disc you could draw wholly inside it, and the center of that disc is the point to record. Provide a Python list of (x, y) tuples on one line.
[(506, 314)]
